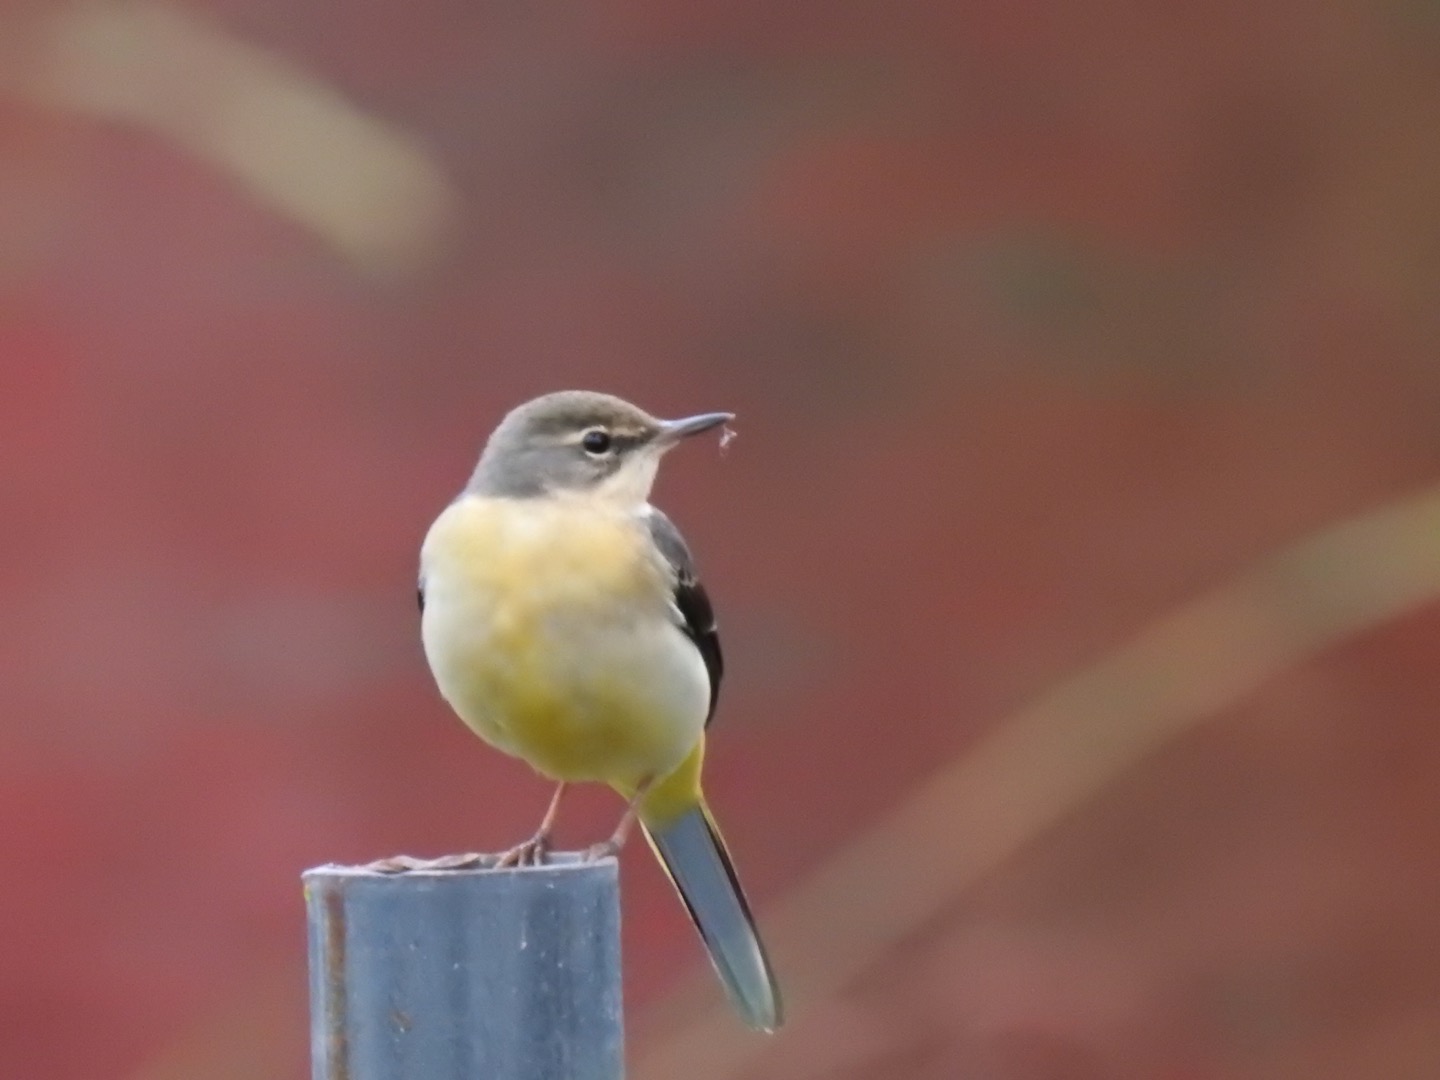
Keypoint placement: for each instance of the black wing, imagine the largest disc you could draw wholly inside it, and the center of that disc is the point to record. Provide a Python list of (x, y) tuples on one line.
[(420, 594), (691, 601)]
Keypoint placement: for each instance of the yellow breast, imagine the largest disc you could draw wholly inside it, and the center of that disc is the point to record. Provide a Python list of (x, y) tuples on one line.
[(548, 627)]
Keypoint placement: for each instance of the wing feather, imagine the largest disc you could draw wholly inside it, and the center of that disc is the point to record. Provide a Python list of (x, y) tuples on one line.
[(691, 601)]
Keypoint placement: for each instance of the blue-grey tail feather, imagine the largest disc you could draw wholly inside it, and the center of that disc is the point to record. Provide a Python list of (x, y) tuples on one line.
[(694, 855)]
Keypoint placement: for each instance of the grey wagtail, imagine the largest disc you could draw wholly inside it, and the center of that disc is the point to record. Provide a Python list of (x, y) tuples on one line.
[(564, 622)]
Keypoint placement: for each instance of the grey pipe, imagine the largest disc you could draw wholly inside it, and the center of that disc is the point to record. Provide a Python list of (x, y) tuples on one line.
[(473, 974)]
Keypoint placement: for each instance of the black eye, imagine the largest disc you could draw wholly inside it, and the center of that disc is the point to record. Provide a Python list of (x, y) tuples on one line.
[(596, 442)]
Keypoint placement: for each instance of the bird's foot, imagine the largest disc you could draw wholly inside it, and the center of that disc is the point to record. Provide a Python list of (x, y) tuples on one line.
[(606, 849), (403, 864), (532, 852)]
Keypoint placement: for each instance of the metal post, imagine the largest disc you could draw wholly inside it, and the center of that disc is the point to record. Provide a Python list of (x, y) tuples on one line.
[(466, 974)]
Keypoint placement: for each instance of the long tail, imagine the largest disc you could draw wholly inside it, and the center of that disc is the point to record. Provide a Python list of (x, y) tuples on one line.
[(689, 846), (693, 853)]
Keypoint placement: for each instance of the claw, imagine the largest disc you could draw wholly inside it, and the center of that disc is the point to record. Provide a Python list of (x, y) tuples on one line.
[(606, 849), (531, 853)]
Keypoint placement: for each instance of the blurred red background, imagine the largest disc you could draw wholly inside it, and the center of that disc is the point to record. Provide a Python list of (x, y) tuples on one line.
[(1041, 321)]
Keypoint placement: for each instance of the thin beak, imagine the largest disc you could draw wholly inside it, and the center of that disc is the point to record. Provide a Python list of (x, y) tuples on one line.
[(672, 431)]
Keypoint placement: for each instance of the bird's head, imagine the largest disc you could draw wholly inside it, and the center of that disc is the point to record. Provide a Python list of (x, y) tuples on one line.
[(578, 441)]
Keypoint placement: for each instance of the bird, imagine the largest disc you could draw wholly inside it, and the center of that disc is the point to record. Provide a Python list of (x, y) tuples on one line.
[(564, 622)]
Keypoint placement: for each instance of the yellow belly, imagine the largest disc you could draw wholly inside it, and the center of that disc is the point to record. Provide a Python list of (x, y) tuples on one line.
[(548, 629)]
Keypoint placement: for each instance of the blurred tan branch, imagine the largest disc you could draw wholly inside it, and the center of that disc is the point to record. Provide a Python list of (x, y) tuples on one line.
[(1044, 761), (364, 186)]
